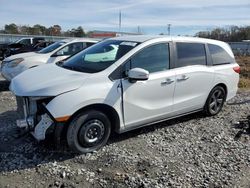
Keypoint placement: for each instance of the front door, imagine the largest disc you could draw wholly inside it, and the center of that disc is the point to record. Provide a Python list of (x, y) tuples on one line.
[(150, 100)]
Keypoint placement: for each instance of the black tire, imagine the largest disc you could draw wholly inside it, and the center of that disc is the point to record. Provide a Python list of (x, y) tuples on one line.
[(88, 131), (215, 101)]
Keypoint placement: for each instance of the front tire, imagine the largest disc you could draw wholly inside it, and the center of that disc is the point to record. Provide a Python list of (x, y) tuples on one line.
[(215, 101), (88, 131)]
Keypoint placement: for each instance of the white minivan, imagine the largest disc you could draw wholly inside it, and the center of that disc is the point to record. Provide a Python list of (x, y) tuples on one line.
[(15, 64), (149, 79)]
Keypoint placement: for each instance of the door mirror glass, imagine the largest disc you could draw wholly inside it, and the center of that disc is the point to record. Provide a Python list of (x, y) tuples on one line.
[(138, 74)]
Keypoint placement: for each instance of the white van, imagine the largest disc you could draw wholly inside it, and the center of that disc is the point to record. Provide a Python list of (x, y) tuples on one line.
[(14, 65), (147, 80)]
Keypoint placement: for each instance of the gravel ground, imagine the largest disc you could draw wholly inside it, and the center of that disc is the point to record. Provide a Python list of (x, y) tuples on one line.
[(192, 151)]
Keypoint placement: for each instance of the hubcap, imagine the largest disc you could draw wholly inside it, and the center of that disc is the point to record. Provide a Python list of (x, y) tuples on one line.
[(216, 101), (91, 132)]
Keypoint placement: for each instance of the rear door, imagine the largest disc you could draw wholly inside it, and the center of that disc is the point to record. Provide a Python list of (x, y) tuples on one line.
[(194, 77), (224, 64), (150, 100)]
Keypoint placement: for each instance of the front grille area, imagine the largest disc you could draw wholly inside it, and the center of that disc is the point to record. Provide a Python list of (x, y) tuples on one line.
[(20, 106), (26, 107)]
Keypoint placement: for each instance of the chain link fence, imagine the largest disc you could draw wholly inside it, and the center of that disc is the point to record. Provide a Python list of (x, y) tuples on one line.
[(240, 48), (7, 38)]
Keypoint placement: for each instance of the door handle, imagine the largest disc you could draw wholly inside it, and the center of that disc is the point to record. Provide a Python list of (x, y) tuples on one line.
[(183, 78), (167, 81)]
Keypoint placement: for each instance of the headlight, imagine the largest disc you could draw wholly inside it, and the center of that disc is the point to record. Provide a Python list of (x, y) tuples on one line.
[(44, 100), (15, 62)]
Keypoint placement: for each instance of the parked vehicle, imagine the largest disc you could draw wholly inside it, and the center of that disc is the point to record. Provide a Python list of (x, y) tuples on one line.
[(30, 48), (150, 79), (14, 65), (19, 46)]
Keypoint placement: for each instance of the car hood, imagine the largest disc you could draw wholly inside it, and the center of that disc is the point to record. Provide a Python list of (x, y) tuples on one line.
[(46, 80), (22, 55)]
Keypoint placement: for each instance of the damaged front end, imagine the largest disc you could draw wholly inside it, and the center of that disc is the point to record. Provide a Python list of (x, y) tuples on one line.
[(35, 117)]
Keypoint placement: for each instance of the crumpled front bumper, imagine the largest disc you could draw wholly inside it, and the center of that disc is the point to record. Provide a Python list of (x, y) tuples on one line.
[(36, 124)]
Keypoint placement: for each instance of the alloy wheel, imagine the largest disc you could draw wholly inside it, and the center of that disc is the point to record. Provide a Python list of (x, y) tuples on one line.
[(216, 101)]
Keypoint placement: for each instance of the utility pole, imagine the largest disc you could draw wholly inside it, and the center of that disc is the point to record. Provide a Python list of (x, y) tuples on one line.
[(120, 21), (169, 27), (138, 30)]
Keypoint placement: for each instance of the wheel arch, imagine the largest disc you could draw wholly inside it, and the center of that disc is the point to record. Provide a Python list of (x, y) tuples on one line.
[(218, 84), (205, 108), (104, 108), (223, 86)]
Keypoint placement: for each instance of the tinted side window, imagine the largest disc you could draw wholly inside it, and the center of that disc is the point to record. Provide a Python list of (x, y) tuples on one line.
[(219, 55), (153, 58), (71, 49), (190, 54), (25, 42), (89, 44)]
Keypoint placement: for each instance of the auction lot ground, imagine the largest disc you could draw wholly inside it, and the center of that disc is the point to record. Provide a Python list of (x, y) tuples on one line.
[(187, 152)]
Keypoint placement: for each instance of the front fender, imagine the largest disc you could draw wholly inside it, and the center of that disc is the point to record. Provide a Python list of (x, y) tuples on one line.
[(66, 104)]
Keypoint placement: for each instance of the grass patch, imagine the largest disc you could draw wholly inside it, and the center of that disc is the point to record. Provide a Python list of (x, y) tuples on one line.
[(244, 82), (244, 62)]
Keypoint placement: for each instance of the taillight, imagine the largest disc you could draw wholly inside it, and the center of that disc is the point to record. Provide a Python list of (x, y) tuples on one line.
[(237, 69)]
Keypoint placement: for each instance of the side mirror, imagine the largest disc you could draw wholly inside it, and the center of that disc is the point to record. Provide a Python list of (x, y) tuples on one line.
[(138, 74)]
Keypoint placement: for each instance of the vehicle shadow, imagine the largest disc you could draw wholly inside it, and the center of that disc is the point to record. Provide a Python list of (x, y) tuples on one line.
[(238, 103), (19, 150), (151, 128), (4, 85)]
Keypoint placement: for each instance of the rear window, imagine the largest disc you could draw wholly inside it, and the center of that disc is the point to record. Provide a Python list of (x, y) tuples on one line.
[(190, 54), (219, 55)]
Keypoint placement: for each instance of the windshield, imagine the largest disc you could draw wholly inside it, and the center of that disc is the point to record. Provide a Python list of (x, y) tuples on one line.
[(16, 41), (51, 47), (98, 57)]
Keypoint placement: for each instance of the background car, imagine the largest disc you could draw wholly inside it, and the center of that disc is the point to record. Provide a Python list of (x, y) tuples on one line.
[(14, 65), (30, 48), (19, 46)]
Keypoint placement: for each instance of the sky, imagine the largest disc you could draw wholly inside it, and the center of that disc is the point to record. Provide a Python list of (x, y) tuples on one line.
[(186, 17)]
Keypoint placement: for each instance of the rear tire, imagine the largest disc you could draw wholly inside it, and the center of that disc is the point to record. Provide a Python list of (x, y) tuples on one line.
[(88, 131), (215, 101)]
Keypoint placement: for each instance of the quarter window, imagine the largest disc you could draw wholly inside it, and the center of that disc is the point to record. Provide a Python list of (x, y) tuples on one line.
[(219, 55), (190, 54), (154, 58)]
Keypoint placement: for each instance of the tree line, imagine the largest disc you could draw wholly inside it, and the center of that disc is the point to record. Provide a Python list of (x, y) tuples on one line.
[(231, 34), (38, 29)]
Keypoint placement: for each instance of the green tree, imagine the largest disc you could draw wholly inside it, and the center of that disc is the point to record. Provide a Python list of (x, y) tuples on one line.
[(79, 32), (56, 30), (11, 28)]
